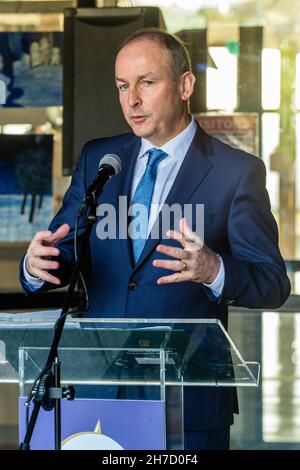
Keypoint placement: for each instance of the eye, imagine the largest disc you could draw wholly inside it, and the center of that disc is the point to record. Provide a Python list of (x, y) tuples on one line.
[(123, 87), (147, 83)]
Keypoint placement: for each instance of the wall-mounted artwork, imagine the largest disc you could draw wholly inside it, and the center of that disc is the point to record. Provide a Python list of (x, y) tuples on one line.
[(26, 204), (31, 68)]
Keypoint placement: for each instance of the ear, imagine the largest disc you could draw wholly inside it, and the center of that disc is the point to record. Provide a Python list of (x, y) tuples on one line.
[(186, 85)]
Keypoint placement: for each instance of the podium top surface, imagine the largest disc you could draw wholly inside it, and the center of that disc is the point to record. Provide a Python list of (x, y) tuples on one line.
[(124, 351)]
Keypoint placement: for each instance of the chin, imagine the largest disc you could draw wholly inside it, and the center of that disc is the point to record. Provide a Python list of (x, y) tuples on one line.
[(139, 132)]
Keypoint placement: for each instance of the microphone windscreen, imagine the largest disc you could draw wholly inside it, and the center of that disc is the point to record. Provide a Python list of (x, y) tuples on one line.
[(112, 160)]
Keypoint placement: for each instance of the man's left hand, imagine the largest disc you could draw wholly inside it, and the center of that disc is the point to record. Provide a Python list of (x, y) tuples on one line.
[(195, 261)]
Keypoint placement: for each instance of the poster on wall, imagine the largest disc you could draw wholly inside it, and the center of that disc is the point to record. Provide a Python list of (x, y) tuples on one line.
[(31, 68), (26, 204), (239, 130)]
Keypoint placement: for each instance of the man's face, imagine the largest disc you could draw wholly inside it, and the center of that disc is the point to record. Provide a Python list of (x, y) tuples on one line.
[(150, 99)]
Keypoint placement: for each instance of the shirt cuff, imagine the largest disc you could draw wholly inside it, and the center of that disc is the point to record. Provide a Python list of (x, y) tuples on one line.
[(34, 283), (217, 285)]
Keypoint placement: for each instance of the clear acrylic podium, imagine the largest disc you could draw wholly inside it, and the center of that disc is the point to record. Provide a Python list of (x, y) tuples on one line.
[(138, 359)]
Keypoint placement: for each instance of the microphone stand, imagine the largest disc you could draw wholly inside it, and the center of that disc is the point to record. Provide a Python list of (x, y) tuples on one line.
[(49, 391)]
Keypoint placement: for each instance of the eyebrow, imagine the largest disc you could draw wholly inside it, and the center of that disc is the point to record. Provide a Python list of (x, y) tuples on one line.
[(140, 77)]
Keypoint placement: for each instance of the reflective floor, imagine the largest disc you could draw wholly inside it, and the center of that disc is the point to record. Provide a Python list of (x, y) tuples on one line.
[(270, 415)]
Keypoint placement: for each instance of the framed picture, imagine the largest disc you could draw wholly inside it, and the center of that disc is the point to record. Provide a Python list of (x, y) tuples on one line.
[(26, 204), (31, 69)]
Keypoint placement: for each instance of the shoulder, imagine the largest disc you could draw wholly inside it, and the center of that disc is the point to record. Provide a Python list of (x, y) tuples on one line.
[(95, 149), (234, 159)]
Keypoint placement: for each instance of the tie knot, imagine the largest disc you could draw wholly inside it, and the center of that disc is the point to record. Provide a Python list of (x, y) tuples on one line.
[(155, 156)]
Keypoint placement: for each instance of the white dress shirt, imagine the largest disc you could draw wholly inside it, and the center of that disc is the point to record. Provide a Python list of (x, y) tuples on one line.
[(167, 171)]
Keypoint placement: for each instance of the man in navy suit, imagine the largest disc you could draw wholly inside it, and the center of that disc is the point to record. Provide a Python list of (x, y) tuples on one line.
[(238, 262)]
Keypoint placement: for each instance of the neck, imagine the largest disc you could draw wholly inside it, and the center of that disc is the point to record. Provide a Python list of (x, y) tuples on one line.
[(181, 125)]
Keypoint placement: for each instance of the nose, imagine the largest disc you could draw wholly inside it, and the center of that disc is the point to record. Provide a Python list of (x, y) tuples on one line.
[(134, 99)]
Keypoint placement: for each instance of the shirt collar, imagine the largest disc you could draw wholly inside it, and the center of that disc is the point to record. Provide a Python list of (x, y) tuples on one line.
[(176, 147)]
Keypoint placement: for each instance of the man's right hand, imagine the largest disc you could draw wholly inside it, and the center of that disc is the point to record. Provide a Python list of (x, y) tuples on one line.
[(40, 249)]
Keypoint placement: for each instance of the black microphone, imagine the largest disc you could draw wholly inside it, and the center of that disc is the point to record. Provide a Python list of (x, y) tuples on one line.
[(109, 166)]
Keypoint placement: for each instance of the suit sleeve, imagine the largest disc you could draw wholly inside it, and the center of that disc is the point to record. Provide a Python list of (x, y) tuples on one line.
[(255, 273), (67, 214)]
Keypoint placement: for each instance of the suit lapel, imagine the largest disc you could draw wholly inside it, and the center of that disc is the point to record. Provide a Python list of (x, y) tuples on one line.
[(120, 186), (129, 155), (193, 171)]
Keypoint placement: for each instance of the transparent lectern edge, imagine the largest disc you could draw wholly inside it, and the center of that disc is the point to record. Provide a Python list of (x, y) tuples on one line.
[(251, 365), (168, 383), (233, 347), (40, 315), (27, 349), (148, 320), (50, 316)]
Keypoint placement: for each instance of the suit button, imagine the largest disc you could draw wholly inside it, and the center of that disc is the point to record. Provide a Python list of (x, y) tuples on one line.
[(132, 286)]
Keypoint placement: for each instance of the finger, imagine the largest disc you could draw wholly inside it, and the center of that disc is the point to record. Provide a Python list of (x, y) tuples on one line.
[(186, 230), (185, 236), (42, 235), (41, 250), (172, 251), (40, 263), (178, 236), (60, 233), (45, 276), (189, 235), (176, 265), (177, 277)]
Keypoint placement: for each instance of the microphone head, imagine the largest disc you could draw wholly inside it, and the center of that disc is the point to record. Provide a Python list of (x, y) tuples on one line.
[(112, 160)]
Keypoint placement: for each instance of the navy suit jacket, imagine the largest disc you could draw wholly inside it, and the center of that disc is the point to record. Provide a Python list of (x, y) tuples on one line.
[(238, 226)]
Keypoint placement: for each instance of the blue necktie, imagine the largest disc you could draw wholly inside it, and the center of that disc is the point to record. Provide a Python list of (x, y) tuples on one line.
[(143, 195)]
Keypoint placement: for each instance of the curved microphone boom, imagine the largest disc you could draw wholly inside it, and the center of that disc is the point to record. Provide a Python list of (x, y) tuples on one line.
[(109, 165)]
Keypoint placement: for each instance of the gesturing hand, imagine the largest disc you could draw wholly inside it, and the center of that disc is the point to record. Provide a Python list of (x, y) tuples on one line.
[(195, 261), (40, 249)]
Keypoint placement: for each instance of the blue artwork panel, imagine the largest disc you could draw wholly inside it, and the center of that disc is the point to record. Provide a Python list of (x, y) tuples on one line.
[(31, 69), (26, 204)]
